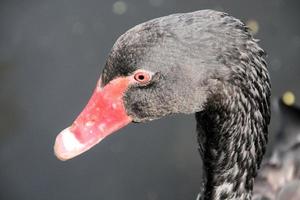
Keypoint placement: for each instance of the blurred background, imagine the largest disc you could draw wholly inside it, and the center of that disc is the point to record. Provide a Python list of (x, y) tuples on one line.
[(51, 55)]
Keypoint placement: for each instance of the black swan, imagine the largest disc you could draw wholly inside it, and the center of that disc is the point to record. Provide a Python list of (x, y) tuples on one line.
[(205, 62)]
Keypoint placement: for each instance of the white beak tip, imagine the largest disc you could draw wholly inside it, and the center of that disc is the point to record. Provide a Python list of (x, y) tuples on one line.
[(67, 146)]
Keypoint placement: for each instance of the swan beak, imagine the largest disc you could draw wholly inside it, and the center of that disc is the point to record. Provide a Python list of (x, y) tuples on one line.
[(104, 114)]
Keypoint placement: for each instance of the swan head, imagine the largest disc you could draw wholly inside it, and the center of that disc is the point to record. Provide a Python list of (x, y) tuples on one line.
[(180, 63)]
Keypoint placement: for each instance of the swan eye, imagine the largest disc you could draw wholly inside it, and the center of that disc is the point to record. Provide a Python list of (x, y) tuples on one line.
[(142, 77)]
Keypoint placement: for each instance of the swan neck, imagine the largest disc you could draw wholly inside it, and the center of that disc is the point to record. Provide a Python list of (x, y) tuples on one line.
[(232, 136)]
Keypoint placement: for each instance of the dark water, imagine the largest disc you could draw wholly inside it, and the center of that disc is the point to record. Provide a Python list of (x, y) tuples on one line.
[(51, 55)]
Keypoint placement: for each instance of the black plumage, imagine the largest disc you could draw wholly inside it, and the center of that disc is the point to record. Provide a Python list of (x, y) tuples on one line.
[(205, 62)]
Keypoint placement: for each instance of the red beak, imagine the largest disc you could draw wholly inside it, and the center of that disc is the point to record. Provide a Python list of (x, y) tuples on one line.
[(104, 114)]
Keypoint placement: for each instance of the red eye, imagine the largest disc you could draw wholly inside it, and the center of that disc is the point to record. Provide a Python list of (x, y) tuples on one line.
[(142, 77)]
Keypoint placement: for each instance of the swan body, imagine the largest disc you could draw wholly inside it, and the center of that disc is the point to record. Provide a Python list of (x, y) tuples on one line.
[(279, 177)]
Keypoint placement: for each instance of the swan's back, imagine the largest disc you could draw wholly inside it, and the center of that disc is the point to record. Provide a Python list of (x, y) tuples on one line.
[(279, 177)]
